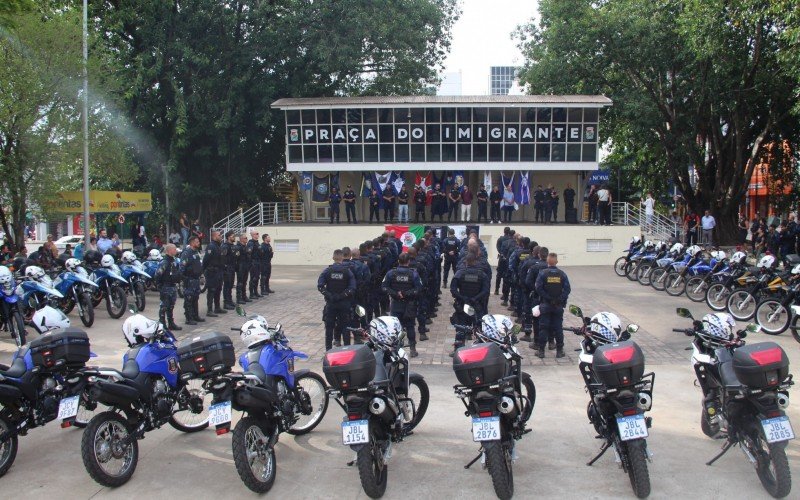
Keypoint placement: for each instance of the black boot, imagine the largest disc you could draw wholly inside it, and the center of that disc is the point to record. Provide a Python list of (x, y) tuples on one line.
[(560, 352), (413, 351), (189, 321), (229, 306), (197, 314), (456, 345), (172, 325), (210, 312), (219, 310)]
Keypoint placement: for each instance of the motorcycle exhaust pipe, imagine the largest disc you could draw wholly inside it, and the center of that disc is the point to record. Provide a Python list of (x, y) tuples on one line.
[(379, 407), (783, 400), (644, 401), (506, 405)]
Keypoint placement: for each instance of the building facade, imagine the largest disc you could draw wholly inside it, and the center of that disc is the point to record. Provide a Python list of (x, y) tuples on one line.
[(501, 78)]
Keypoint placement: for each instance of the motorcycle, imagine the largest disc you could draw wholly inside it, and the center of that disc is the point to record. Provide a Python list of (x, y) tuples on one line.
[(382, 399), (650, 262), (658, 277), (43, 383), (745, 392), (11, 307), (499, 398), (144, 396), (675, 280), (111, 287), (274, 396), (622, 265), (150, 267), (740, 277), (76, 288), (704, 273), (742, 303), (620, 393), (34, 294), (136, 278), (774, 315)]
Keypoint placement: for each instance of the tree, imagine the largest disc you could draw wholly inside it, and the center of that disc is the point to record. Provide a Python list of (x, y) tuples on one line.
[(697, 84)]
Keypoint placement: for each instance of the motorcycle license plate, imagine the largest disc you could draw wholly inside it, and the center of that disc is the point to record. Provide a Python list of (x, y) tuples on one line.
[(355, 432), (777, 429), (633, 427), (68, 407), (485, 428), (219, 413)]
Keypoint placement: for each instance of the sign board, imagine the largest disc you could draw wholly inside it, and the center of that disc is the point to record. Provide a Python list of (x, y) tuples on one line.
[(71, 202), (599, 177)]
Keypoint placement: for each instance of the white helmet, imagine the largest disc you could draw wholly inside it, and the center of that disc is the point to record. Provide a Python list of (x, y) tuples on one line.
[(766, 262), (717, 328), (138, 328), (128, 257), (385, 329), (738, 257), (677, 248), (5, 276), (107, 261), (636, 240), (605, 327), (693, 250), (255, 330), (34, 272), (795, 270), (72, 264), (496, 327), (48, 319), (649, 244), (154, 254), (718, 254)]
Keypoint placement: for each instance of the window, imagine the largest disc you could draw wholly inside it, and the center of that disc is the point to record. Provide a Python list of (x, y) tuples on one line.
[(287, 245), (599, 245)]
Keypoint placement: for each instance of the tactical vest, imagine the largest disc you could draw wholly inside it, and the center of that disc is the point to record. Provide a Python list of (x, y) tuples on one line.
[(471, 281), (553, 282), (402, 280), (451, 244), (337, 279)]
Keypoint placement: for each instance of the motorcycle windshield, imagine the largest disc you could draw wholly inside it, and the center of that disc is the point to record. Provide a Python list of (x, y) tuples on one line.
[(40, 287)]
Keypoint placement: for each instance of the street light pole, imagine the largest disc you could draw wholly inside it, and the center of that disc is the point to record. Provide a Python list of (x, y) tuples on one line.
[(86, 221)]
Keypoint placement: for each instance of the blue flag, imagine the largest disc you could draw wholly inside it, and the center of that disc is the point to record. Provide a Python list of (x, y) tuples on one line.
[(522, 191), (366, 184), (321, 189), (306, 183)]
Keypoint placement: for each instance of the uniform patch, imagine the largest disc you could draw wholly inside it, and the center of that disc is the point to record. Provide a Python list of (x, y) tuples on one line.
[(337, 276), (402, 278), (554, 279), (471, 278)]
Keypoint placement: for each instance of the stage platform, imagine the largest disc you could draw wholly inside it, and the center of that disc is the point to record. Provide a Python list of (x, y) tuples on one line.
[(313, 243)]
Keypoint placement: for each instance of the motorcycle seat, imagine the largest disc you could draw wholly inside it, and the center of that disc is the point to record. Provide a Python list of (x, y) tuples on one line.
[(16, 370), (257, 370), (728, 377), (380, 368)]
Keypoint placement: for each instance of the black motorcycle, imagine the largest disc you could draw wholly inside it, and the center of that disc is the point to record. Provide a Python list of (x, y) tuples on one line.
[(745, 392), (383, 401), (499, 398), (620, 393)]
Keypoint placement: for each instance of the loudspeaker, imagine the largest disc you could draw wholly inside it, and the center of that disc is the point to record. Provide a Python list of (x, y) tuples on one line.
[(571, 216)]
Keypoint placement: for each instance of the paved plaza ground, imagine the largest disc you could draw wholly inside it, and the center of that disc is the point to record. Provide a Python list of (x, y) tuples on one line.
[(430, 463)]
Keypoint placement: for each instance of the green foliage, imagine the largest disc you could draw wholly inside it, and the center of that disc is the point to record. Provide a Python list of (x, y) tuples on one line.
[(10, 8)]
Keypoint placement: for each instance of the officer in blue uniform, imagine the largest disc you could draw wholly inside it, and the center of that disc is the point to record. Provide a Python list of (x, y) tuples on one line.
[(333, 200), (167, 276), (350, 205), (242, 268), (338, 285), (451, 246), (362, 274), (403, 285), (229, 260), (192, 268), (470, 286), (213, 268), (552, 287), (254, 250)]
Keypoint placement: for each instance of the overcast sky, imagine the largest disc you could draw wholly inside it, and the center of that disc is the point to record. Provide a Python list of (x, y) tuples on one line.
[(482, 38)]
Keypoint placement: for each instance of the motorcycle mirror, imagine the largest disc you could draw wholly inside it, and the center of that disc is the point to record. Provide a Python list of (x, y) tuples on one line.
[(575, 311), (516, 329), (278, 327), (240, 311), (360, 311), (684, 313), (626, 335), (632, 328), (469, 310), (753, 328), (743, 334)]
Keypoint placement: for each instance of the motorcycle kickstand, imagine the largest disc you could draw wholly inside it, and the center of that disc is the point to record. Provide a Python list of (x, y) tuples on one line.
[(725, 449), (603, 450), (480, 454)]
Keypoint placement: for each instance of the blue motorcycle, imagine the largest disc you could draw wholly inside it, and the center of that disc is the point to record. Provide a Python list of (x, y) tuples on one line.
[(36, 293), (675, 281), (76, 288), (658, 277), (111, 287), (706, 273), (144, 396), (136, 277), (150, 267), (11, 310), (623, 264)]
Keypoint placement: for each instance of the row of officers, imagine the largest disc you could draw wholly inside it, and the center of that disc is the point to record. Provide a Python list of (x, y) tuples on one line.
[(236, 261), (385, 279)]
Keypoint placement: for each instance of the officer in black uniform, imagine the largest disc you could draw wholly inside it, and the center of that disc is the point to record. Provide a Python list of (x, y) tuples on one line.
[(454, 198), (547, 204), (243, 266), (192, 268), (403, 285), (451, 246), (266, 263), (470, 286), (418, 264), (483, 202), (527, 290), (254, 250), (230, 258), (502, 263), (338, 285), (333, 201), (374, 206), (167, 276), (533, 298), (362, 274), (350, 205), (552, 286), (213, 268), (538, 204), (420, 198)]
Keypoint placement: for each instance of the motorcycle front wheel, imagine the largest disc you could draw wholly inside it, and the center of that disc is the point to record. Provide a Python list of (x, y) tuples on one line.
[(772, 316), (674, 284), (637, 467), (795, 328), (620, 265), (372, 470), (86, 309), (415, 402), (116, 302), (498, 463), (138, 291), (8, 448), (643, 274), (696, 288), (657, 278), (18, 328), (741, 305), (109, 458), (311, 389), (717, 296), (253, 454)]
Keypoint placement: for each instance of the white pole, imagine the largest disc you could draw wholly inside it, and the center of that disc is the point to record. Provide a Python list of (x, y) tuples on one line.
[(86, 224)]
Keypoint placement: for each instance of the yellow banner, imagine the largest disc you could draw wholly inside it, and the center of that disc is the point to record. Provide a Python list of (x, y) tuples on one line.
[(71, 202)]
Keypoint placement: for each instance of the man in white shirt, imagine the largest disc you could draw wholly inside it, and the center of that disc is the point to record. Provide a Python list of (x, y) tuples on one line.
[(604, 205), (649, 209), (708, 223)]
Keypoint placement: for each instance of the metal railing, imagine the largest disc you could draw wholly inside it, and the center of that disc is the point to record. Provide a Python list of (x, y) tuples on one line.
[(262, 214), (658, 227)]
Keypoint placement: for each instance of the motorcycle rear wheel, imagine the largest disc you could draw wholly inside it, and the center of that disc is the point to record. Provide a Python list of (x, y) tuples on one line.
[(372, 470), (717, 296), (498, 463), (87, 318), (8, 448), (772, 467), (253, 456), (637, 469), (772, 316), (102, 442), (619, 266), (696, 288)]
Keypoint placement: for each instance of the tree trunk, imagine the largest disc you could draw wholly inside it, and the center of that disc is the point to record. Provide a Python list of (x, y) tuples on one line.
[(727, 229)]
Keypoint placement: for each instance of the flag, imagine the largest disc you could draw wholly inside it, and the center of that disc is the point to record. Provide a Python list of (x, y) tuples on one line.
[(507, 180), (334, 180), (366, 184), (522, 191), (306, 183), (398, 181), (321, 186), (439, 180), (381, 181), (487, 180), (408, 235), (426, 183), (458, 178)]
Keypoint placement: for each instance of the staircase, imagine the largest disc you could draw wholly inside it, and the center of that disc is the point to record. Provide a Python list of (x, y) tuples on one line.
[(262, 214), (660, 227)]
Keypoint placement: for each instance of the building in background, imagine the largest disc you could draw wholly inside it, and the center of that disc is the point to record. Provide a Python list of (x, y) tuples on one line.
[(501, 78), (451, 84)]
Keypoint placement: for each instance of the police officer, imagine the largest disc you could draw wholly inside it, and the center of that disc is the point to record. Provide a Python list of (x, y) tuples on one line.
[(547, 204), (454, 199), (266, 263), (538, 265), (495, 197), (502, 263), (517, 258), (403, 285), (552, 286), (483, 201), (527, 290), (338, 285), (362, 275), (350, 205), (451, 246), (423, 303), (254, 250), (388, 203), (242, 267), (374, 206), (333, 201), (509, 245), (538, 204), (192, 269), (213, 268), (470, 286), (230, 258), (167, 276), (420, 198)]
